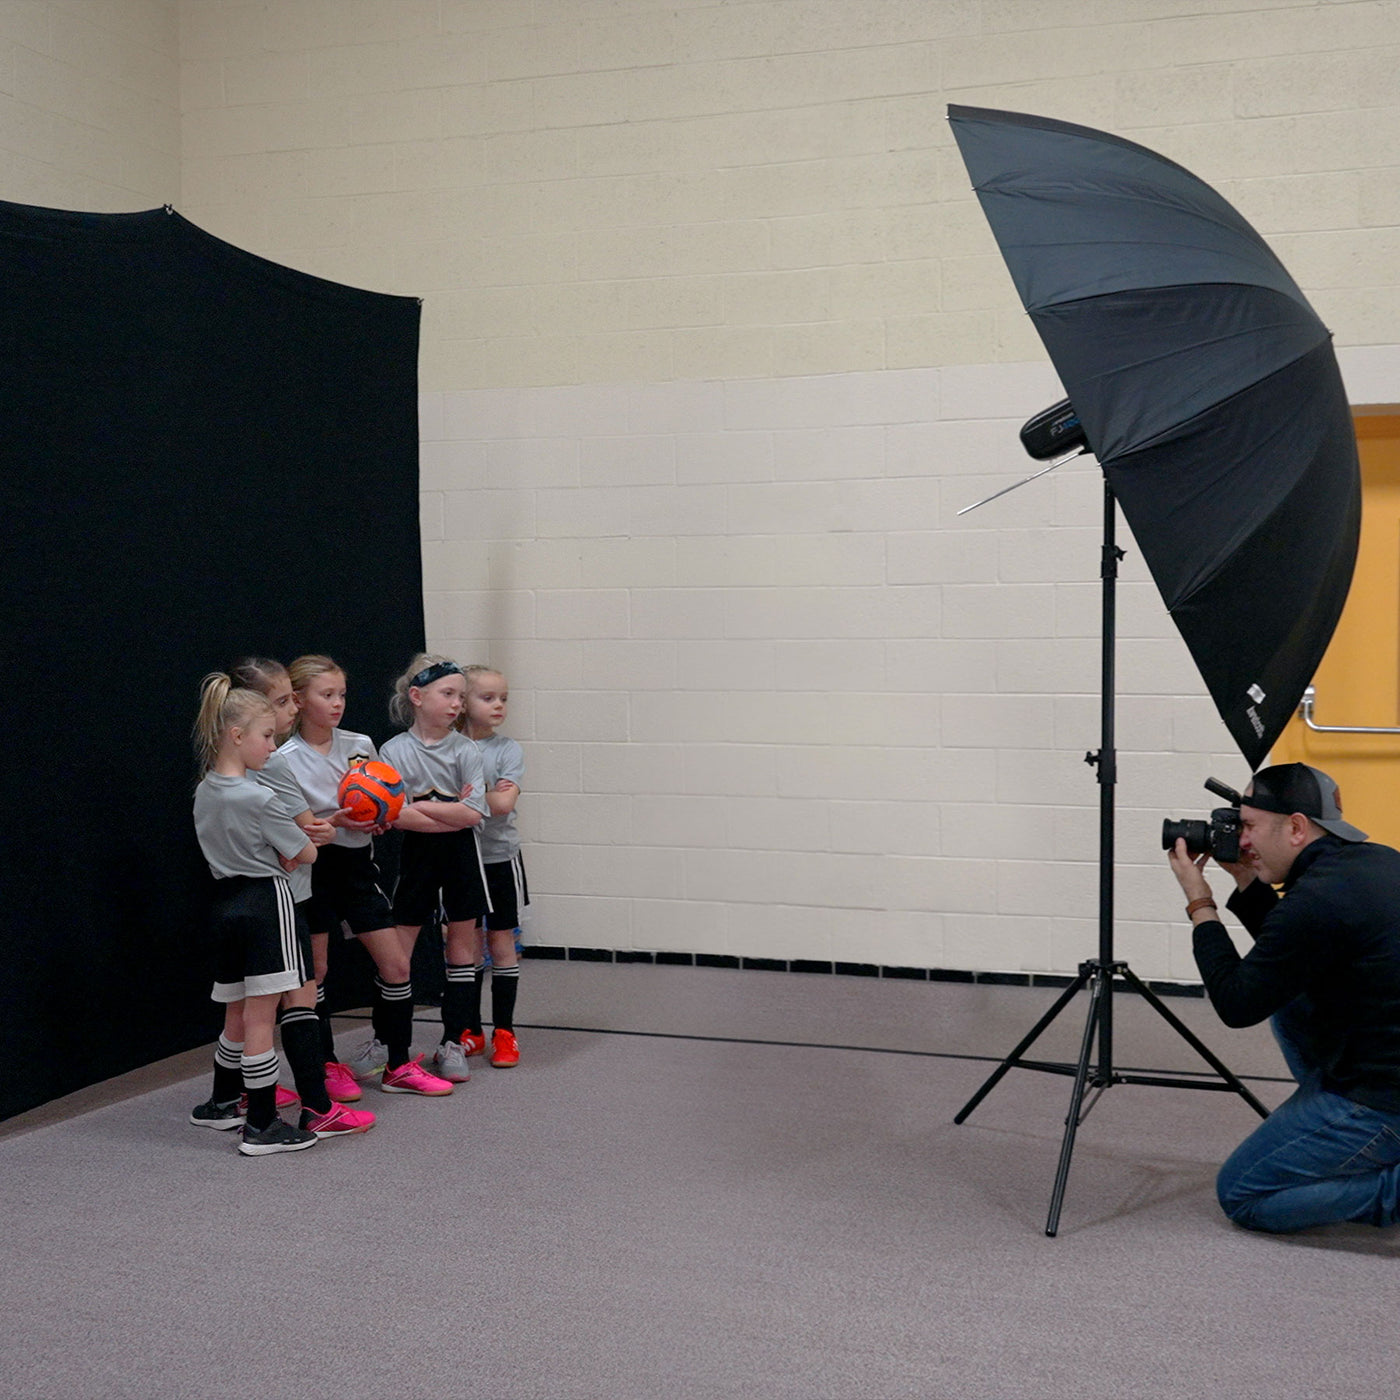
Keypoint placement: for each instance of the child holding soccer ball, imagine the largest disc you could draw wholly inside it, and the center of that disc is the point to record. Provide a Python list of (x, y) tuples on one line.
[(345, 880), (504, 767), (440, 870)]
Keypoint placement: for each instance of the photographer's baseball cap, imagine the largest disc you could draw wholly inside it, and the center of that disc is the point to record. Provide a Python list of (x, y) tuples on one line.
[(1295, 787)]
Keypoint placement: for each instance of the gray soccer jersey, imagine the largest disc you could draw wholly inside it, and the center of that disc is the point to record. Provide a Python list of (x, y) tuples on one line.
[(500, 758), (320, 773), (440, 772), (242, 828), (277, 776)]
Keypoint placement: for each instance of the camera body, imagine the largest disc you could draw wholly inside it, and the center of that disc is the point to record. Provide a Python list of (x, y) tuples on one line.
[(1219, 837)]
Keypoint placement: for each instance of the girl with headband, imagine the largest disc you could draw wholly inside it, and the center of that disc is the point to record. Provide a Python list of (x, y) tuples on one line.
[(440, 872)]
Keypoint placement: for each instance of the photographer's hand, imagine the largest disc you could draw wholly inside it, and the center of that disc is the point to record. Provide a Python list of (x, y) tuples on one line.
[(1190, 875)]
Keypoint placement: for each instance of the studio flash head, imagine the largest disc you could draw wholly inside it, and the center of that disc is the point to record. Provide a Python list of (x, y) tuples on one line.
[(1054, 432)]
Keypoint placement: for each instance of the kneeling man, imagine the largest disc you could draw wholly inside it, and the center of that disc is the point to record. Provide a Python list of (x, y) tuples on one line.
[(1325, 966)]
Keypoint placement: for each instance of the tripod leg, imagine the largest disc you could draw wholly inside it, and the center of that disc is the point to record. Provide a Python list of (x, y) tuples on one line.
[(1099, 979), (1030, 1038), (1185, 1032)]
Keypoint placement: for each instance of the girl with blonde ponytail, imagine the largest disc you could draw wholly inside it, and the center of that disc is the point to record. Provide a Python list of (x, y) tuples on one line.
[(250, 842), (296, 1019)]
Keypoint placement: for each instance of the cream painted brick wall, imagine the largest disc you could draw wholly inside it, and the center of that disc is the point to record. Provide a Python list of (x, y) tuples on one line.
[(90, 104), (822, 716), (683, 190)]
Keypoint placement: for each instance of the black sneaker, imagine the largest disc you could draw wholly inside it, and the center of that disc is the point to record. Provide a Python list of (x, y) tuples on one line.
[(217, 1115), (278, 1136)]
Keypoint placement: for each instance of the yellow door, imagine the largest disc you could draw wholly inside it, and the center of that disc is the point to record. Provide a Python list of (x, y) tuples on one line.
[(1358, 682)]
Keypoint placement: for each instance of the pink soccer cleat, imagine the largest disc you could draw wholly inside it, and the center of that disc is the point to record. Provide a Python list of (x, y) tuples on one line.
[(411, 1078), (338, 1121), (341, 1084)]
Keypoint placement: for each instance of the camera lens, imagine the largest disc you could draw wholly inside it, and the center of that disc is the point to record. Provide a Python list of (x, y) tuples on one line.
[(1196, 834)]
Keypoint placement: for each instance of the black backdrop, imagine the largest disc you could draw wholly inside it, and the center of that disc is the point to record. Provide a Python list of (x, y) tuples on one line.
[(203, 455)]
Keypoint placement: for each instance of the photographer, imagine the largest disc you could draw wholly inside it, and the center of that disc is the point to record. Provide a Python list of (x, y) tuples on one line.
[(1326, 966)]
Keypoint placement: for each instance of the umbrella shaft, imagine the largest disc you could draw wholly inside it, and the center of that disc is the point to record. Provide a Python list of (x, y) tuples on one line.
[(1107, 765)]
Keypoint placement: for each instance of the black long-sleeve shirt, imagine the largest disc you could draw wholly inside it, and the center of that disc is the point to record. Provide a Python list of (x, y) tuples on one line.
[(1334, 934)]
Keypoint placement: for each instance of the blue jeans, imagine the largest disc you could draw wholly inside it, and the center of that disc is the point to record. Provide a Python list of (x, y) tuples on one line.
[(1317, 1159)]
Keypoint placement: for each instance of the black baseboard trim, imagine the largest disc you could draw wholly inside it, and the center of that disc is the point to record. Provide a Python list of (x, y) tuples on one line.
[(838, 969)]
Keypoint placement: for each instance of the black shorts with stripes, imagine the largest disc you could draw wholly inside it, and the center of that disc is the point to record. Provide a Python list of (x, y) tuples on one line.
[(258, 947), (439, 871), (505, 883), (345, 889)]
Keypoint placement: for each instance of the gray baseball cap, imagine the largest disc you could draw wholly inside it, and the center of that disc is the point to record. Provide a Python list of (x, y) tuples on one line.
[(1295, 787)]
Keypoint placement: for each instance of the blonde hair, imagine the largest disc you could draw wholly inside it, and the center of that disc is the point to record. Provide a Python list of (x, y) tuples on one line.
[(303, 671), (400, 705), (222, 706), (472, 673)]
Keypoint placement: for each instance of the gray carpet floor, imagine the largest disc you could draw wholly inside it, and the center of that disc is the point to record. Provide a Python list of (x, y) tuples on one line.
[(698, 1183)]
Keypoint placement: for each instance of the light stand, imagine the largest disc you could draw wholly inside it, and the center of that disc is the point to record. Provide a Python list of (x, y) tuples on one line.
[(1104, 974)]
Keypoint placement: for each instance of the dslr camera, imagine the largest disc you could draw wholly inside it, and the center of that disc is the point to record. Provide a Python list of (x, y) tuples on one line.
[(1219, 837)]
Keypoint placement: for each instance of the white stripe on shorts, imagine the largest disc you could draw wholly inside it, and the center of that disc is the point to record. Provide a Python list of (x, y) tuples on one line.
[(517, 871), (481, 868), (287, 928)]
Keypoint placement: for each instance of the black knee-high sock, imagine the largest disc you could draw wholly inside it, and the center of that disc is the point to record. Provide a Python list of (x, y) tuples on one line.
[(376, 1014), (394, 1003), (228, 1070), (505, 982), (301, 1040), (471, 1001), (260, 1084), (327, 1034), (458, 1000)]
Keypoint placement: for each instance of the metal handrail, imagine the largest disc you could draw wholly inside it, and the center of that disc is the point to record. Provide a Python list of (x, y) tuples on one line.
[(1305, 713)]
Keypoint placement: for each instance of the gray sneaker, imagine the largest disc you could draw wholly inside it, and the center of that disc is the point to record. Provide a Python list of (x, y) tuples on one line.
[(369, 1059), (450, 1060)]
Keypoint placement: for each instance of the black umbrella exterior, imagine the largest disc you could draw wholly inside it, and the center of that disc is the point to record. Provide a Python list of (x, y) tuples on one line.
[(1206, 386)]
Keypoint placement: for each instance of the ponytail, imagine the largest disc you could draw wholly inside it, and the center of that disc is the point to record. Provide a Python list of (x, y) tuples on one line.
[(222, 706)]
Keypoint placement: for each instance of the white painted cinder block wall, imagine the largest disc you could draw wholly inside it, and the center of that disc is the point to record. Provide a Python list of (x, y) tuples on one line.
[(716, 343)]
